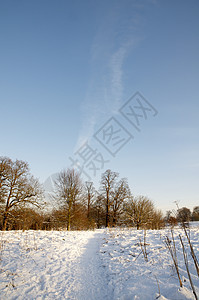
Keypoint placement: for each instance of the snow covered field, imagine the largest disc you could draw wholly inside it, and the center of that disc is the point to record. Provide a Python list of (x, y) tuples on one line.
[(102, 264)]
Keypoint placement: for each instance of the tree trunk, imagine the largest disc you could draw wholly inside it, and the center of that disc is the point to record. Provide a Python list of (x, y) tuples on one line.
[(88, 210), (68, 223), (69, 216), (5, 219), (107, 216), (107, 209)]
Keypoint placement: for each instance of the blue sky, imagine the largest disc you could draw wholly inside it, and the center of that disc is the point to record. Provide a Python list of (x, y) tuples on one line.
[(67, 67)]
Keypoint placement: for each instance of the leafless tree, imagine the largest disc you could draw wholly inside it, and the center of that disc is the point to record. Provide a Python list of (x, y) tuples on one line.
[(90, 194), (170, 218), (98, 210), (108, 182), (90, 198), (17, 186), (158, 221), (120, 193), (25, 219), (195, 214), (140, 211), (68, 190), (184, 215)]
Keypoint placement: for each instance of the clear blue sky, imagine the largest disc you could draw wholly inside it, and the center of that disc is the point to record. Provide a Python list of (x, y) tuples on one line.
[(66, 68)]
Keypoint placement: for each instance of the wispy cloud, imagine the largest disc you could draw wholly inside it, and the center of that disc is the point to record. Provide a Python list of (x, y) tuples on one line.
[(116, 66), (114, 41)]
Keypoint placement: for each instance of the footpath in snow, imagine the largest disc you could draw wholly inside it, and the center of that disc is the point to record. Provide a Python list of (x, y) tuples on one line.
[(52, 265), (89, 265)]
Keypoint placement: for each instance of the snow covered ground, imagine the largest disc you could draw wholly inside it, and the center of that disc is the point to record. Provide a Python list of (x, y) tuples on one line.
[(101, 264)]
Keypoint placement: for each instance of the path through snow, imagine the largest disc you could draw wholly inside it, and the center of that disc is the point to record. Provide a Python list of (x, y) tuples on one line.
[(91, 278), (52, 265)]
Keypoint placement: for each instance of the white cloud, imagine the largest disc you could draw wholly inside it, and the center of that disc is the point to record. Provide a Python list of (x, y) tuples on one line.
[(111, 46)]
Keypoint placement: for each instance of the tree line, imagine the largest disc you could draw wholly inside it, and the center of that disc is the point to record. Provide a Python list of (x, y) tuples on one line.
[(78, 205)]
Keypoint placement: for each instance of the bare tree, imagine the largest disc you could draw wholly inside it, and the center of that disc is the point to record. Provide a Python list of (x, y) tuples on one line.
[(108, 182), (17, 186), (98, 210), (25, 218), (195, 214), (183, 215), (90, 197), (68, 189), (90, 194), (140, 211), (170, 218), (120, 193), (158, 221)]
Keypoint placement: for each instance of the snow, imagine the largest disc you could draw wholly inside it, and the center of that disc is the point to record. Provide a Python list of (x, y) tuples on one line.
[(101, 264)]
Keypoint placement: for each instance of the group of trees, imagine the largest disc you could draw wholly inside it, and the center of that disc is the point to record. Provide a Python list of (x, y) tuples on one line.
[(81, 206), (78, 205), (17, 187), (182, 215)]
